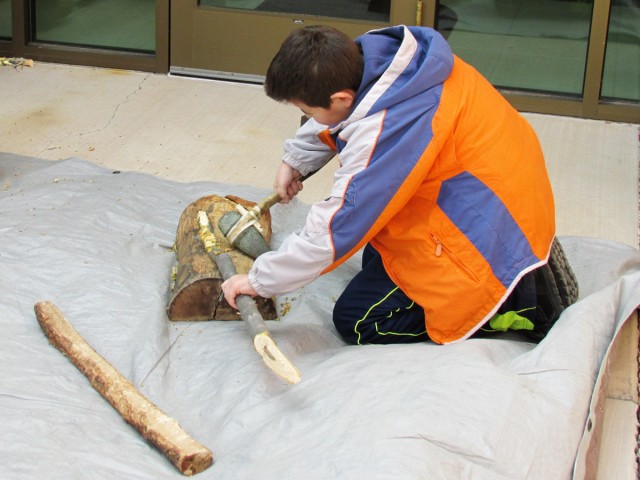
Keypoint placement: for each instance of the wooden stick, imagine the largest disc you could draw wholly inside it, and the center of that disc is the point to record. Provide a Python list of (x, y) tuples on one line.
[(189, 456), (263, 342)]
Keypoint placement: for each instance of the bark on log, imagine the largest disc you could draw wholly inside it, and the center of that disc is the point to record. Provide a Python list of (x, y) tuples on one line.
[(197, 294), (189, 456)]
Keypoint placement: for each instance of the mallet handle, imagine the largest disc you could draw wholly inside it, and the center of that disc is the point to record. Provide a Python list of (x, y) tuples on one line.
[(271, 200)]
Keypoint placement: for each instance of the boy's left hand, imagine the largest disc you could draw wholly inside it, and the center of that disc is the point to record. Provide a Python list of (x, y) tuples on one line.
[(237, 285)]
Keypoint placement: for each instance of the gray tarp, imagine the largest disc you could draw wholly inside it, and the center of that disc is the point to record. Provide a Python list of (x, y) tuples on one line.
[(98, 245)]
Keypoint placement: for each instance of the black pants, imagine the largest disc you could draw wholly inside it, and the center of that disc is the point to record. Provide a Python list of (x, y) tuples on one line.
[(373, 309)]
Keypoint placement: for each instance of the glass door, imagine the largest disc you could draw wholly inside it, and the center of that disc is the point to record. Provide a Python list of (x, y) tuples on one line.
[(5, 19), (568, 57), (621, 76), (238, 38), (519, 44), (127, 34), (128, 25)]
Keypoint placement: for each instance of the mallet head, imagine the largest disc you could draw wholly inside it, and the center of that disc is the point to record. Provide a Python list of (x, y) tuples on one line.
[(250, 241)]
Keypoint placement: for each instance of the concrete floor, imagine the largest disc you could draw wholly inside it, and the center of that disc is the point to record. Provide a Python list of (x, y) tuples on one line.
[(190, 129)]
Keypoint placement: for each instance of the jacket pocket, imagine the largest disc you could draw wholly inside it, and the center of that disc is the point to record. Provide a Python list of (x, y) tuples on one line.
[(441, 250)]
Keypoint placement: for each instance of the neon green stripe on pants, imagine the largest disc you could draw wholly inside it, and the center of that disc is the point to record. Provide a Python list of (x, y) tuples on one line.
[(355, 328)]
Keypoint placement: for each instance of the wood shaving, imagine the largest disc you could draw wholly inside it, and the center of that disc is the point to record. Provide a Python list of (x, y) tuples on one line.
[(15, 62)]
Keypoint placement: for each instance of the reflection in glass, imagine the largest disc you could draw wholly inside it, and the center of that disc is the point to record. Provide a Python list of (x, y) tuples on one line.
[(370, 10), (116, 24), (621, 79), (5, 19), (536, 45)]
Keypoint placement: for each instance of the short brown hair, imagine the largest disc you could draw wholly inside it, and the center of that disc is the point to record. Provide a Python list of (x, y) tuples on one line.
[(312, 64)]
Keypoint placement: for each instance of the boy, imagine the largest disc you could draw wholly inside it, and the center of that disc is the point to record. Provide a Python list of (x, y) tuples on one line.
[(440, 179)]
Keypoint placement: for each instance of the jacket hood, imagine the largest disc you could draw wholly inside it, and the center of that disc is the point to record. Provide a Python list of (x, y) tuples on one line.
[(400, 63)]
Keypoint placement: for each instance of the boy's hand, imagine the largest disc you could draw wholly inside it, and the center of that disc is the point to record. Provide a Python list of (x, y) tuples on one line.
[(288, 182), (237, 285)]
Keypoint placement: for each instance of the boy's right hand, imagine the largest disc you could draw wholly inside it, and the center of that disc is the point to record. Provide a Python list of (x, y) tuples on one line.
[(288, 182), (237, 285)]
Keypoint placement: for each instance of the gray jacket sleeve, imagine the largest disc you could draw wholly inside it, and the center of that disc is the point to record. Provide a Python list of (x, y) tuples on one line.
[(305, 152)]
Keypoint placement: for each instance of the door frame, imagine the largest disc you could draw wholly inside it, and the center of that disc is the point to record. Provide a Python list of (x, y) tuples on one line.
[(589, 105), (23, 44), (169, 41), (194, 26)]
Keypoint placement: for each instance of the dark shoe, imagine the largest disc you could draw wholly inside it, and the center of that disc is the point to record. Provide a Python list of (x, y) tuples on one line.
[(557, 288)]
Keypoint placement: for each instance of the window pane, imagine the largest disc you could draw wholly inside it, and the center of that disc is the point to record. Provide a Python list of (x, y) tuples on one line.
[(538, 45), (115, 24), (370, 10), (621, 79), (5, 19)]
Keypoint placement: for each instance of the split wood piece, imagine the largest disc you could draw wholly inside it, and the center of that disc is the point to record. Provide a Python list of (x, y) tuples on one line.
[(264, 344), (189, 456), (197, 295)]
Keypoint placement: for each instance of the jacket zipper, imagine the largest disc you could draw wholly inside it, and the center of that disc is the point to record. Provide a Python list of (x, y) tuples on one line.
[(440, 247)]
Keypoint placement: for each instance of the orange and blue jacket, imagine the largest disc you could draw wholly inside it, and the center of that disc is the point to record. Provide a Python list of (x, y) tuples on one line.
[(438, 171)]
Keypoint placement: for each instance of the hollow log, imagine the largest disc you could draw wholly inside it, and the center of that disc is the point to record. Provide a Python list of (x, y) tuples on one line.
[(189, 456), (197, 294)]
